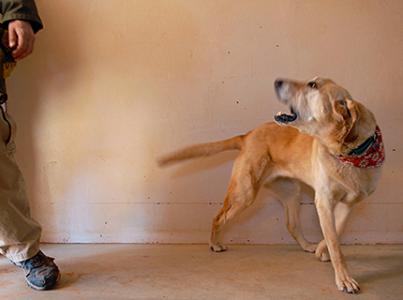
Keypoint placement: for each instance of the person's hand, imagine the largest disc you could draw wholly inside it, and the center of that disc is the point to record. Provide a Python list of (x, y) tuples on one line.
[(21, 38)]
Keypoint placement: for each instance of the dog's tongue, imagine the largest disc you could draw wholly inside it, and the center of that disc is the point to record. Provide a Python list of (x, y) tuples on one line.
[(285, 118)]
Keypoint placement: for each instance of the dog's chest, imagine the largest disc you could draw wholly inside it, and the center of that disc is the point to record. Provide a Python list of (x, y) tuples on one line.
[(354, 180), (334, 174)]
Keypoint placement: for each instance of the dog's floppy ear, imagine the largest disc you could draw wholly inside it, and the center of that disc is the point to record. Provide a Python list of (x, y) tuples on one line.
[(346, 115), (352, 112), (346, 110), (342, 108)]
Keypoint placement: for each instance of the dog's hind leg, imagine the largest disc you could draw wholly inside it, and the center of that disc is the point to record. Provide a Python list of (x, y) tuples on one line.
[(291, 206), (244, 185), (227, 212)]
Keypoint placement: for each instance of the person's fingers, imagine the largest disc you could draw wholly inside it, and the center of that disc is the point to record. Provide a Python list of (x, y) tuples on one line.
[(22, 44), (28, 47), (21, 39), (28, 51), (12, 38)]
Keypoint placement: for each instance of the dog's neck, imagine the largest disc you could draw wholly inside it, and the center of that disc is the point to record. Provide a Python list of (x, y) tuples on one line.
[(347, 143), (352, 136), (370, 154), (363, 146), (357, 146), (366, 152)]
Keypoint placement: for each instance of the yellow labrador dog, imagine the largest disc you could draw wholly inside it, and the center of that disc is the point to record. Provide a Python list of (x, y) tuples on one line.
[(328, 141)]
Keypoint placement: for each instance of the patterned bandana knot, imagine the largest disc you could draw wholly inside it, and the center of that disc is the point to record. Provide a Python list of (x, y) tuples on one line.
[(372, 157)]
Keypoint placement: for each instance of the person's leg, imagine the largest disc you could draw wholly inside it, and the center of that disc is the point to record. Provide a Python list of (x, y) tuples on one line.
[(19, 233)]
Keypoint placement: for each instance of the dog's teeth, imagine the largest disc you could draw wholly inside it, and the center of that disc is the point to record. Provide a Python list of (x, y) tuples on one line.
[(279, 113)]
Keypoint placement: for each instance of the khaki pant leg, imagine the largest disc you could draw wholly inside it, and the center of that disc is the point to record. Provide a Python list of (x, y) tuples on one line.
[(19, 233)]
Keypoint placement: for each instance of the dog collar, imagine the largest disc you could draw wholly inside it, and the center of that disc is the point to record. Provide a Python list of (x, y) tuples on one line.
[(370, 154)]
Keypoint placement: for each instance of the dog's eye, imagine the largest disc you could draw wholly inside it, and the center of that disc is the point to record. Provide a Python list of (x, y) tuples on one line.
[(312, 84)]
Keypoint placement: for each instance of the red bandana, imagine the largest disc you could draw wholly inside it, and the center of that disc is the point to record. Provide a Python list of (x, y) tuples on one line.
[(372, 157)]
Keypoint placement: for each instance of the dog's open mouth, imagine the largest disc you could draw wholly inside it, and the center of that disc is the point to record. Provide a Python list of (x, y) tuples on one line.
[(286, 118)]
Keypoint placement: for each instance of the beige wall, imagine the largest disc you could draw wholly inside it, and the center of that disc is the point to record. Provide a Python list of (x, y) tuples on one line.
[(113, 84)]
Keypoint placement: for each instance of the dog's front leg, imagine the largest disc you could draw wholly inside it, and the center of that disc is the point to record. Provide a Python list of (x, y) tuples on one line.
[(325, 210), (341, 212)]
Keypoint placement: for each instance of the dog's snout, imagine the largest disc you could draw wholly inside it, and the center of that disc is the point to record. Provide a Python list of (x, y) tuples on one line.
[(278, 83)]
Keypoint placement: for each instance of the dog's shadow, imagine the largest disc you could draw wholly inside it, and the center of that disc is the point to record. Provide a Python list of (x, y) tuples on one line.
[(68, 279), (378, 267)]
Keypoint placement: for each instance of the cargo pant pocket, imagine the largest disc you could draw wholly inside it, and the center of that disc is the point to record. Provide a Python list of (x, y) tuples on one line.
[(7, 132)]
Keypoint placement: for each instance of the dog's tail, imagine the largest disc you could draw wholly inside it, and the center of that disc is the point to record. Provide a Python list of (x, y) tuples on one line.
[(200, 150)]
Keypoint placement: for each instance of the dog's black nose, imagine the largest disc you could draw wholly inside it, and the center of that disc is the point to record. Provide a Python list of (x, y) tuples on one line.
[(278, 83)]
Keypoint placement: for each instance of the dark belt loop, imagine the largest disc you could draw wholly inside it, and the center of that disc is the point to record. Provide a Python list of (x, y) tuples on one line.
[(3, 91), (3, 98)]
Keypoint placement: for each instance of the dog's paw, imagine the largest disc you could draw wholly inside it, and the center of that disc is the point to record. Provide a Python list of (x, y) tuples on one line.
[(309, 247), (324, 257), (218, 248), (322, 254), (348, 285)]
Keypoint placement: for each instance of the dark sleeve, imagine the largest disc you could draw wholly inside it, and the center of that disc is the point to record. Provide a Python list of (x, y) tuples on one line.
[(20, 10)]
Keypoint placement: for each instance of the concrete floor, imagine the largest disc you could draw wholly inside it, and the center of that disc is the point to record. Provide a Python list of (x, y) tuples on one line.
[(193, 272)]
